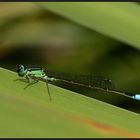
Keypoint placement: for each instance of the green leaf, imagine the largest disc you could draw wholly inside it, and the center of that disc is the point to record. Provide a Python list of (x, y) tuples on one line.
[(30, 113), (119, 20)]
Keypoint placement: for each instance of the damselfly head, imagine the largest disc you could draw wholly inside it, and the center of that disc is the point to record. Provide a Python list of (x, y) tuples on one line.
[(21, 70), (20, 67)]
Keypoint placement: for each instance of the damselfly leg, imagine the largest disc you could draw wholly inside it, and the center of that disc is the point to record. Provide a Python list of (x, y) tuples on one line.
[(48, 90), (31, 83), (34, 81), (21, 79)]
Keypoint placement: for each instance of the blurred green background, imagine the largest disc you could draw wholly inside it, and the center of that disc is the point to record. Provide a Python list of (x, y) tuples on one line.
[(33, 35)]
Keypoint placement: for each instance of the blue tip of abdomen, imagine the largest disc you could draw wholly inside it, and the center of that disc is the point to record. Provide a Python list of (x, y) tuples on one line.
[(137, 97)]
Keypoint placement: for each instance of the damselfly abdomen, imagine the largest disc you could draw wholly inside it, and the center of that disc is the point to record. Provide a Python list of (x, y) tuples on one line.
[(87, 80)]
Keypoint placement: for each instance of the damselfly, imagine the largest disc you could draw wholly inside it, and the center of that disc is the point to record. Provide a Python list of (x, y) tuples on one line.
[(35, 74)]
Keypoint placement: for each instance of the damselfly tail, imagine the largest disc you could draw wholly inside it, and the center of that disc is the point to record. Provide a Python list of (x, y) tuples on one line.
[(88, 80), (94, 82)]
